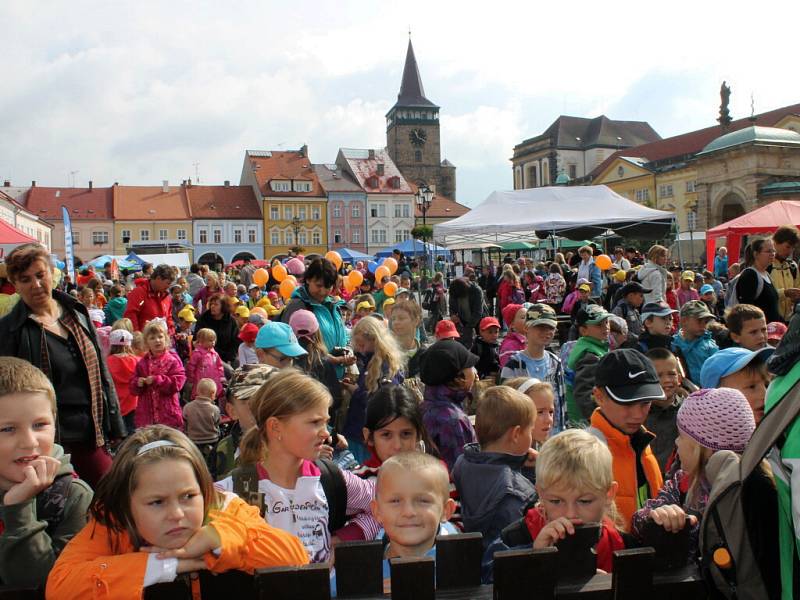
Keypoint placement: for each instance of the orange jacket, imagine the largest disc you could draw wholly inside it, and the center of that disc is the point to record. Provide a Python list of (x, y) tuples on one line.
[(89, 568), (624, 465)]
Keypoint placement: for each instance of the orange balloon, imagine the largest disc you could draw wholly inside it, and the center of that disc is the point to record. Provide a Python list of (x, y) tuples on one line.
[(381, 272), (291, 278), (603, 262), (257, 310), (391, 264), (279, 272), (287, 287), (355, 278), (335, 258), (260, 277), (390, 289)]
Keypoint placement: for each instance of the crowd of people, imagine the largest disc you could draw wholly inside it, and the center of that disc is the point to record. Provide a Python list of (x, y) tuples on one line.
[(166, 422)]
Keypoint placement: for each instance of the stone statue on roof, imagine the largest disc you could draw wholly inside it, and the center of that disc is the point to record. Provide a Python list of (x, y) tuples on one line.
[(724, 114)]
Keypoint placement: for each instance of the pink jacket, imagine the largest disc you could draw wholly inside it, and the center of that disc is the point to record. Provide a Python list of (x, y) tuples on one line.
[(205, 363), (511, 343), (159, 402)]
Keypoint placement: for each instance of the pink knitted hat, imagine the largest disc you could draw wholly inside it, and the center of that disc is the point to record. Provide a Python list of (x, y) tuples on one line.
[(720, 419)]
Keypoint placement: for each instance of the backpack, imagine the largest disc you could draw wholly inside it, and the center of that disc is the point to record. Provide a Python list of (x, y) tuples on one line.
[(245, 485), (724, 534), (517, 296), (732, 296), (427, 299)]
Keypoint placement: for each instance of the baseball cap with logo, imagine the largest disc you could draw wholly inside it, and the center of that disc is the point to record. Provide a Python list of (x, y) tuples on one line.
[(696, 309), (540, 314), (593, 314), (281, 337), (628, 376), (776, 330)]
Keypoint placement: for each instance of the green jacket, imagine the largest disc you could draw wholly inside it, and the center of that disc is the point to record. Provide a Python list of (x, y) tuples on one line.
[(583, 359), (785, 465), (32, 540)]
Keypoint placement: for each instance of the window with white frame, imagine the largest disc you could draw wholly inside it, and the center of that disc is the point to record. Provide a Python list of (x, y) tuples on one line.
[(302, 186), (144, 235), (125, 236), (162, 235), (251, 235), (316, 238), (287, 213), (280, 186), (398, 235), (355, 234), (691, 220), (643, 195), (76, 238), (406, 211), (237, 236), (377, 210), (356, 210), (203, 233), (99, 237), (301, 238), (378, 236), (691, 186), (217, 236), (289, 238), (315, 213), (337, 210), (397, 211), (301, 213), (274, 213), (274, 238), (337, 236), (181, 235), (665, 190)]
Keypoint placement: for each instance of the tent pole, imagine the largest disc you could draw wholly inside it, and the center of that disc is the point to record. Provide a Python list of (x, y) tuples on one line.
[(678, 237)]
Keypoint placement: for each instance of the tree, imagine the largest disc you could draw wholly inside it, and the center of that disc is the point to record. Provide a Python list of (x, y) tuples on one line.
[(422, 232)]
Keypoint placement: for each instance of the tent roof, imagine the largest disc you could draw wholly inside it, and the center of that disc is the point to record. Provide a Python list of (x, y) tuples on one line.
[(12, 235), (350, 255), (766, 218), (575, 212), (412, 248)]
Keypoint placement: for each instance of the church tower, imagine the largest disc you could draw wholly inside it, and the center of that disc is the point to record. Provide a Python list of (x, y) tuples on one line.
[(412, 134)]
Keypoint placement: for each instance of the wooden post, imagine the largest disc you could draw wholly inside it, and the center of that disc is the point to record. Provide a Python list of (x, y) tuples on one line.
[(632, 578), (412, 578), (174, 590), (311, 582), (576, 557), (231, 584), (525, 574), (458, 560), (672, 549), (359, 568)]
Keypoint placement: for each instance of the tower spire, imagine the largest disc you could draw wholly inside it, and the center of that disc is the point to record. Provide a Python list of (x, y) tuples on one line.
[(411, 90)]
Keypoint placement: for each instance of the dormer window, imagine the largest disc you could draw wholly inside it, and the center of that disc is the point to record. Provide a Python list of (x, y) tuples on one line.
[(380, 168), (394, 182), (302, 186), (372, 181), (280, 186)]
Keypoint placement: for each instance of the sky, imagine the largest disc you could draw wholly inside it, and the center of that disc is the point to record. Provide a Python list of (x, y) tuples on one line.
[(140, 92)]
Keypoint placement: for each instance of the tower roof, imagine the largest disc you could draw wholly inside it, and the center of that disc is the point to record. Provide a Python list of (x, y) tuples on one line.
[(411, 91)]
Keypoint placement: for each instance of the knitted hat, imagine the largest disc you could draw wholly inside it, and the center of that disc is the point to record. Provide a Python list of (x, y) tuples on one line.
[(720, 419)]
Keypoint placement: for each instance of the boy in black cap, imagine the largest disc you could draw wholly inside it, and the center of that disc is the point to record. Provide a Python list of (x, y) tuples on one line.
[(657, 325), (448, 371), (626, 382), (631, 298)]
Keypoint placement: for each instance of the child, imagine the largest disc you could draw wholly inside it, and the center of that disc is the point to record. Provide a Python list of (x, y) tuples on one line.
[(543, 398), (202, 417), (656, 326), (158, 380), (514, 318), (747, 326), (393, 425), (205, 362), (42, 505), (743, 370), (536, 360), (121, 364), (247, 349), (485, 348), (708, 421), (378, 358), (687, 293), (317, 362), (446, 330), (182, 340), (363, 309), (388, 308), (291, 415), (491, 476), (631, 299), (591, 346), (448, 372), (115, 307), (241, 315), (245, 382), (137, 344), (775, 332), (694, 343), (709, 297), (277, 346), (661, 419), (169, 520)]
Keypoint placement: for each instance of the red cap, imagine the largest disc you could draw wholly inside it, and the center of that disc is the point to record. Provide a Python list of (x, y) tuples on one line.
[(509, 312), (248, 332), (487, 322), (776, 330), (446, 329)]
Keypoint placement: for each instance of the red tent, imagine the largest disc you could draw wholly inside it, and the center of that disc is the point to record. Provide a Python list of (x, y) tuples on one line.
[(10, 238), (762, 220)]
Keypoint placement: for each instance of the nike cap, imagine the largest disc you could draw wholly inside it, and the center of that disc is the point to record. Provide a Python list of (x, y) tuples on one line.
[(628, 376)]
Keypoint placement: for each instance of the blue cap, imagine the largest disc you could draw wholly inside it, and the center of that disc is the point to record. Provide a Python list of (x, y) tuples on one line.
[(727, 362), (705, 288), (279, 336)]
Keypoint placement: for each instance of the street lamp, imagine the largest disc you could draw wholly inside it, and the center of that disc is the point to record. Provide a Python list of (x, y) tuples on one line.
[(296, 222), (424, 198)]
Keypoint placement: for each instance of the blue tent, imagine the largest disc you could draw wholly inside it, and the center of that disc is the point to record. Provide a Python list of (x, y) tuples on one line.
[(122, 263), (414, 248), (134, 258), (351, 256)]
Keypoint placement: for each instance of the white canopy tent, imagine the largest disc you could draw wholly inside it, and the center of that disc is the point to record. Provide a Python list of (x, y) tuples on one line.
[(176, 259), (579, 212)]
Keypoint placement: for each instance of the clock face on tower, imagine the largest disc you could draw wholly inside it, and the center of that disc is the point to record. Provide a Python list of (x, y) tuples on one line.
[(418, 137)]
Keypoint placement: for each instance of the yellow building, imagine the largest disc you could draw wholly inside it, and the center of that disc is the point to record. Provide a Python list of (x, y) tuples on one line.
[(294, 203)]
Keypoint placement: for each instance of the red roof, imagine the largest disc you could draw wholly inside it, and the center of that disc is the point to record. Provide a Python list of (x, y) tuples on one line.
[(12, 235), (84, 204), (284, 166), (223, 202), (150, 203), (364, 166), (694, 141), (441, 207)]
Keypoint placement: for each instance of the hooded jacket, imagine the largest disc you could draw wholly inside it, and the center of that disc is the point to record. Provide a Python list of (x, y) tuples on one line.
[(33, 533), (654, 277), (115, 309), (579, 375), (144, 304), (493, 488), (331, 325), (694, 353)]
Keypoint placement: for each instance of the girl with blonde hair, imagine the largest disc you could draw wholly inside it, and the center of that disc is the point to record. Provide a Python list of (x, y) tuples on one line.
[(155, 515), (291, 426), (379, 359)]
